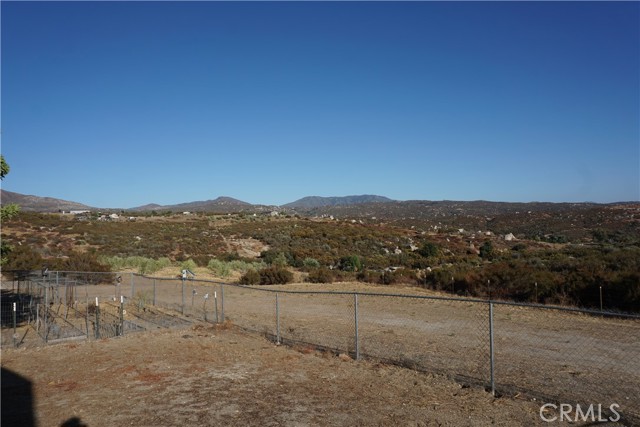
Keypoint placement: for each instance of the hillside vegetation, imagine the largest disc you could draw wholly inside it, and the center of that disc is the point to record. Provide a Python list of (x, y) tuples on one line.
[(555, 254)]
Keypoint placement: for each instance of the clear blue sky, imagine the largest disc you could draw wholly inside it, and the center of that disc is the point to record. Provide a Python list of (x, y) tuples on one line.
[(119, 104)]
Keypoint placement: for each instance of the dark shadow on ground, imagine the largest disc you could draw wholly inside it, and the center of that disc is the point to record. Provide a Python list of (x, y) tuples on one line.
[(17, 400)]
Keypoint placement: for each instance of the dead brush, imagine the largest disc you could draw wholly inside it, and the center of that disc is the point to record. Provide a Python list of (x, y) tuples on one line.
[(226, 325)]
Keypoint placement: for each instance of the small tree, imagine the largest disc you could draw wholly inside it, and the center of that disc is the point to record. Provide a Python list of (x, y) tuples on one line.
[(429, 250), (6, 212), (350, 263), (486, 250)]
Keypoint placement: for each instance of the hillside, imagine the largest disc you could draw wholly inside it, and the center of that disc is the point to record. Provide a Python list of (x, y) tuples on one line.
[(312, 202), (40, 204), (221, 205)]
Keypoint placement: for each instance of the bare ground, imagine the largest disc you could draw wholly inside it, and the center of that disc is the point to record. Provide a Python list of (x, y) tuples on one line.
[(208, 376)]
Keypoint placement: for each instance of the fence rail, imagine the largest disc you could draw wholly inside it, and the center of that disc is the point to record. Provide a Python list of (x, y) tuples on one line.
[(559, 354)]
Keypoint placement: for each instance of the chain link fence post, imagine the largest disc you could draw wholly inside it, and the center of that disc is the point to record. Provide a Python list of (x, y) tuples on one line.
[(121, 315), (357, 338), (277, 319), (46, 310), (491, 351), (182, 306), (15, 336), (222, 303), (154, 292), (215, 301), (97, 319)]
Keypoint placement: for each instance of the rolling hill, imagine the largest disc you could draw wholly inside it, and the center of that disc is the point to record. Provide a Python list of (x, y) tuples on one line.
[(313, 202), (40, 204)]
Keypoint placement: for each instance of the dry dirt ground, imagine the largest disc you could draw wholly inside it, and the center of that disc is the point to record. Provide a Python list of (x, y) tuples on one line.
[(218, 376)]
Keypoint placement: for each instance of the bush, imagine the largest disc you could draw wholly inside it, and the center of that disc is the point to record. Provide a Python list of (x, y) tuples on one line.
[(23, 257), (251, 277), (368, 276), (310, 263), (429, 250), (320, 275), (142, 264), (275, 276), (188, 265), (219, 268), (350, 263)]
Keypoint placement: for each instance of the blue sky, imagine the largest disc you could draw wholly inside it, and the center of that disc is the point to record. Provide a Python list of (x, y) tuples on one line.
[(119, 104)]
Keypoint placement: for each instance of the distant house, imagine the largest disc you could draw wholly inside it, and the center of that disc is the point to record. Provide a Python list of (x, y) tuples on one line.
[(186, 213), (113, 216)]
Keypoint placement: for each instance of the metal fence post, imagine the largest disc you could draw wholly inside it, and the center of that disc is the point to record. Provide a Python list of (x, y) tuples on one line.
[(15, 336), (182, 297), (133, 286), (121, 315), (222, 302), (97, 319), (46, 310), (491, 350), (357, 338), (277, 319), (215, 301), (154, 291)]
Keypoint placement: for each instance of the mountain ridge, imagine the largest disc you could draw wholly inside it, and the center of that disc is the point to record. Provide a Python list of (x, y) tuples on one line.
[(311, 202)]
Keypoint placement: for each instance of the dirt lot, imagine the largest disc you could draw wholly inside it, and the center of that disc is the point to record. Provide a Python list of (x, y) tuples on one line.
[(200, 375), (204, 375)]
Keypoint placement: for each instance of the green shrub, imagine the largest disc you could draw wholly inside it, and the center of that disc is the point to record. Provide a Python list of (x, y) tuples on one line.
[(350, 263), (188, 265), (429, 250), (219, 268), (310, 263)]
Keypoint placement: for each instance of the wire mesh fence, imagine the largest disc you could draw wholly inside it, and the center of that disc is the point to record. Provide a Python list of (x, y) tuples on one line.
[(557, 354)]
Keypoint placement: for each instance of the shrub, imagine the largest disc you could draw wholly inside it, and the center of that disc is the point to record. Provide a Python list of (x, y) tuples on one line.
[(310, 263), (219, 268), (429, 249), (350, 263), (251, 277), (23, 257), (275, 276), (188, 265), (320, 275), (368, 276)]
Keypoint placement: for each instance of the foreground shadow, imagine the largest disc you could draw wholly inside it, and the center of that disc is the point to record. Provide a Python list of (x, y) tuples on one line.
[(17, 400)]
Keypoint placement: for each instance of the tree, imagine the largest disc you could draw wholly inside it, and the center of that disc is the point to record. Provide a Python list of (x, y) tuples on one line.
[(6, 212), (350, 263), (429, 250), (486, 250), (4, 167)]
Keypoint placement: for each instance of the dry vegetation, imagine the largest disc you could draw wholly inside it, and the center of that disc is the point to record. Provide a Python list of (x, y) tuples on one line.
[(563, 254)]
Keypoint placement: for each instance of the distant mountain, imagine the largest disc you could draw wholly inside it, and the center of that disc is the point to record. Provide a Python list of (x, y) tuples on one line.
[(40, 204), (313, 202), (221, 204)]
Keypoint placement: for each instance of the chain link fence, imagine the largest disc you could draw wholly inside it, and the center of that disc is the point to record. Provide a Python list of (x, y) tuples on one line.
[(557, 354)]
